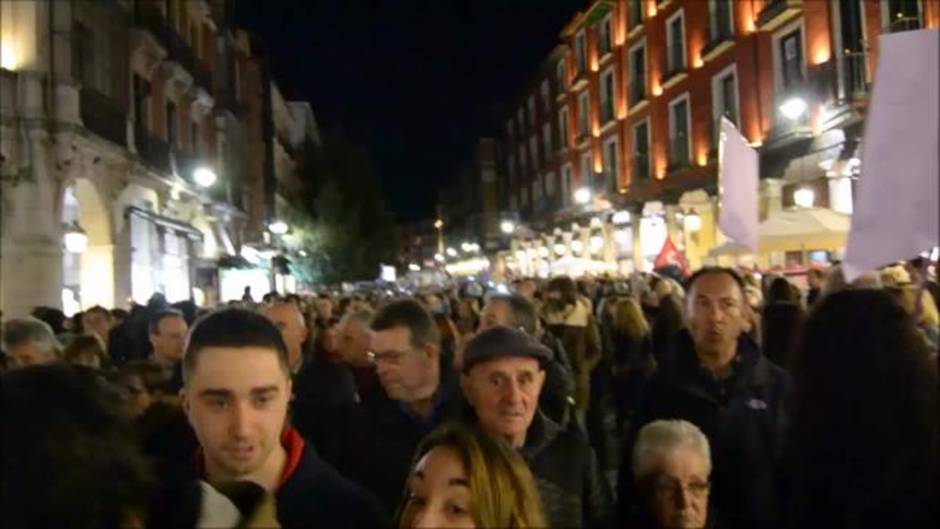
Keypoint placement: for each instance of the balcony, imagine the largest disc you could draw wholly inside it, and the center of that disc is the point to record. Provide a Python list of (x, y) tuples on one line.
[(582, 137), (149, 16), (104, 116), (637, 91), (777, 12), (788, 130), (153, 152), (853, 72), (640, 167), (673, 76), (679, 154), (904, 23), (717, 43)]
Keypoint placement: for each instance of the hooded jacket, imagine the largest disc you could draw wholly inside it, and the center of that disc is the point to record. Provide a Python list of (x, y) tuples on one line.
[(743, 417), (566, 473)]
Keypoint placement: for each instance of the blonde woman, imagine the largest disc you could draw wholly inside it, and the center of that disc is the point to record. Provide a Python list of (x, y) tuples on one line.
[(463, 478), (633, 355)]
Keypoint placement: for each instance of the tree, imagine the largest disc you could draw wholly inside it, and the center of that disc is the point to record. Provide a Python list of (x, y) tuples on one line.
[(343, 223)]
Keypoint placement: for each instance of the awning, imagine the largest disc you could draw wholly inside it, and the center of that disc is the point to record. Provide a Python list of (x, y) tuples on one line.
[(796, 229), (183, 228)]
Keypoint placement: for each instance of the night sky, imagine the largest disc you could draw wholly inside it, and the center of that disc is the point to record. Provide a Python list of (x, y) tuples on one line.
[(415, 82)]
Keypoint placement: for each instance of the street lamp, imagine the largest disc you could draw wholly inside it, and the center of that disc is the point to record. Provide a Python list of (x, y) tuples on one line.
[(414, 267), (804, 197), (278, 227), (204, 177), (451, 252), (793, 108), (597, 244), (507, 227), (582, 195), (466, 247), (560, 249), (693, 222), (577, 246), (76, 240), (439, 257), (438, 224)]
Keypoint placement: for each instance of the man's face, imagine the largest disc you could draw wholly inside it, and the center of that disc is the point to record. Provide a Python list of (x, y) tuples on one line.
[(236, 400), (97, 323), (495, 313), (505, 393), (354, 342), (289, 321), (170, 339), (404, 370), (28, 353), (680, 491), (716, 313)]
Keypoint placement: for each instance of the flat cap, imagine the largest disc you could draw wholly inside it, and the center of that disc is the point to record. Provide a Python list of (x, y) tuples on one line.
[(503, 342)]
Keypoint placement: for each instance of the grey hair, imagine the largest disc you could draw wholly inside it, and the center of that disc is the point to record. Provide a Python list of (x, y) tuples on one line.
[(663, 438), (835, 281), (363, 316), (18, 331)]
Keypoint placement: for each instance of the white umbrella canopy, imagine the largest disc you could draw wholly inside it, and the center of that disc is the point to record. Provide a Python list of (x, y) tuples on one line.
[(795, 229)]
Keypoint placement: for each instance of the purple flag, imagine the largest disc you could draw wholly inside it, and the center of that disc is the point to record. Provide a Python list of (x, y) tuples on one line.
[(737, 187), (896, 213)]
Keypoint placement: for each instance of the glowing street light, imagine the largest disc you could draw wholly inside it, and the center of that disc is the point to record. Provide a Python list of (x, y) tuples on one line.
[(793, 108), (278, 227), (76, 240), (439, 257), (451, 252), (804, 197), (438, 224), (204, 177), (577, 246), (582, 195), (507, 227), (414, 267), (693, 222)]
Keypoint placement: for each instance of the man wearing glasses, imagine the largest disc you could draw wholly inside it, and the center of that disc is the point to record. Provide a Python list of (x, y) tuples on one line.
[(417, 396)]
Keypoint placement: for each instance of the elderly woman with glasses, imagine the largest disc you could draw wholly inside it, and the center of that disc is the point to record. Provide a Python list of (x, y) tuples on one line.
[(671, 466)]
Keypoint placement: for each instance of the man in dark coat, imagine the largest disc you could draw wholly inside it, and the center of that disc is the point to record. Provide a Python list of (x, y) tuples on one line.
[(236, 393), (716, 378), (417, 395), (503, 375)]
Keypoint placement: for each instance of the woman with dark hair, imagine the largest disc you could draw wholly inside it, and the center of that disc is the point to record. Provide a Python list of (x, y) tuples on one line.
[(864, 437), (782, 291), (668, 322), (780, 324), (86, 350)]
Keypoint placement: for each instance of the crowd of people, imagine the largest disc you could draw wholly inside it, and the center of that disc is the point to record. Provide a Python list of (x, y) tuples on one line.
[(725, 399)]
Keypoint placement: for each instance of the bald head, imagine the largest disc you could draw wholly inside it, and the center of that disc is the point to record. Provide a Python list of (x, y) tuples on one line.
[(290, 321)]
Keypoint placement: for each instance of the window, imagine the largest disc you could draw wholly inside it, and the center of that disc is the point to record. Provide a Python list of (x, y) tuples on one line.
[(141, 103), (560, 75), (721, 20), (524, 196), (546, 95), (637, 73), (566, 185), (171, 123), (83, 56), (511, 163), (563, 128), (509, 129), (848, 34), (611, 164), (604, 37), (520, 118), (584, 107), (194, 138), (534, 151), (641, 148), (550, 185), (522, 160), (580, 48), (724, 99), (679, 144), (537, 190), (634, 13), (675, 43), (532, 112), (587, 172), (607, 96), (901, 15), (790, 53), (547, 141)]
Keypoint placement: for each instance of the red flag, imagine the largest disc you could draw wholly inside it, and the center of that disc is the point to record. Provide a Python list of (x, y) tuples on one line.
[(670, 256)]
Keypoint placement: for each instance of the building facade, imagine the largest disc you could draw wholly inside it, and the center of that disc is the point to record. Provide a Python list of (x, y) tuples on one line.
[(612, 147), (128, 162)]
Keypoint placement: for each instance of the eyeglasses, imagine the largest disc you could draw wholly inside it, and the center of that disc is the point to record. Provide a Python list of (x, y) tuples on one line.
[(671, 488)]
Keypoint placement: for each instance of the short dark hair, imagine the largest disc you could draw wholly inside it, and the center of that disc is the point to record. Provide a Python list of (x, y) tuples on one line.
[(523, 311), (154, 326), (412, 315), (234, 327), (712, 270), (153, 377), (68, 423)]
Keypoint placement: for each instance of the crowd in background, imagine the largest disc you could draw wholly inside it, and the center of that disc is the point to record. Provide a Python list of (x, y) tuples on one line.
[(725, 399)]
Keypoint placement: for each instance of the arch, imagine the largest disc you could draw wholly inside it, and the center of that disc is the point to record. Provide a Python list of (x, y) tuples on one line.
[(90, 276)]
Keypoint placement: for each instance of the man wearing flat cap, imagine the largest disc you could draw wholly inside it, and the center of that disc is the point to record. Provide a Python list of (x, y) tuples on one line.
[(503, 374)]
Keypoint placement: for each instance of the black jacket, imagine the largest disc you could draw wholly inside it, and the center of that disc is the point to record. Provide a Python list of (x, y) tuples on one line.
[(742, 416), (574, 492), (312, 493), (324, 392), (382, 438)]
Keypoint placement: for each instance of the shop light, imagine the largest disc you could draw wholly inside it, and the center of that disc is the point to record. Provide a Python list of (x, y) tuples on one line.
[(451, 252), (804, 197), (302, 253), (577, 246), (693, 222), (438, 223), (507, 227), (520, 255), (543, 252), (76, 240), (621, 217), (582, 195), (622, 236), (466, 247), (439, 257), (560, 249), (793, 108), (278, 227), (597, 244), (414, 267), (204, 177), (7, 56)]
